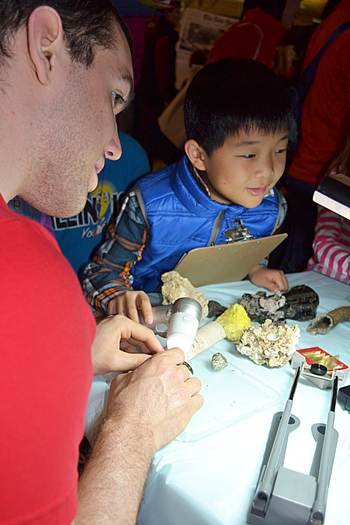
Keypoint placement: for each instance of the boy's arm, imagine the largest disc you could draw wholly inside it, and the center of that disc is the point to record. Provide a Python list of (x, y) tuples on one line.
[(107, 277)]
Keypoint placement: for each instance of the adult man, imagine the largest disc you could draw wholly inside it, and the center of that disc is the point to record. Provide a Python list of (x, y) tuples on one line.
[(65, 71)]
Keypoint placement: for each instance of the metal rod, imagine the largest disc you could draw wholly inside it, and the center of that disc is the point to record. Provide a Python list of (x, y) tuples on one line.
[(265, 489), (319, 507), (295, 383), (334, 393)]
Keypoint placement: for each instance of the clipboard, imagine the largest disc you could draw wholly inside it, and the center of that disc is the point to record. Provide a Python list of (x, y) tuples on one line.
[(224, 263)]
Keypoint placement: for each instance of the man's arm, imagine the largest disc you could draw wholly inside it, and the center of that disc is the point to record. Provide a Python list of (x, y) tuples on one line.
[(147, 409), (107, 277), (110, 489)]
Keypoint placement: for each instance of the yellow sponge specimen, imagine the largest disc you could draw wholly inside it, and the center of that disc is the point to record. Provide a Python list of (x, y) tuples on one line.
[(233, 320)]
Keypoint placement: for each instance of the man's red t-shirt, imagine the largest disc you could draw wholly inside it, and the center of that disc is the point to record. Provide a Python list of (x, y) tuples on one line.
[(47, 331)]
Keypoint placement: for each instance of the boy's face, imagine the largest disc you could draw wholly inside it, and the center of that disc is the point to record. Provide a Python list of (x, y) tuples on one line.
[(245, 168)]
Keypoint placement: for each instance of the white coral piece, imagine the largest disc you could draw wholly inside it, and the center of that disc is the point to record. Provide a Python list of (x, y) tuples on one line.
[(175, 286), (269, 344)]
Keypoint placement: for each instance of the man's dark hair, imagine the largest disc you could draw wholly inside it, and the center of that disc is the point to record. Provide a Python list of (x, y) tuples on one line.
[(274, 8), (233, 95), (87, 24)]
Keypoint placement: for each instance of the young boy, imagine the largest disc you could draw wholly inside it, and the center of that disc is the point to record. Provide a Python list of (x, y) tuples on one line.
[(237, 116)]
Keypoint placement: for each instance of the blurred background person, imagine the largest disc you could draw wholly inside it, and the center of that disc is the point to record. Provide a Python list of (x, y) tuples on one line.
[(261, 28), (156, 86), (324, 129), (331, 244)]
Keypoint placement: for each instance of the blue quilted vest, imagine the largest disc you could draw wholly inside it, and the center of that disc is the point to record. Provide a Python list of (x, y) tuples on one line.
[(182, 217)]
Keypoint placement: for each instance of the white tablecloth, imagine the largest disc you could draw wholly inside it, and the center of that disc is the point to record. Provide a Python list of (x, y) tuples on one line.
[(208, 475)]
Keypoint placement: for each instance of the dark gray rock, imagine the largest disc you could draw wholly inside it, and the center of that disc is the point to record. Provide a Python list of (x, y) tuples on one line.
[(299, 303)]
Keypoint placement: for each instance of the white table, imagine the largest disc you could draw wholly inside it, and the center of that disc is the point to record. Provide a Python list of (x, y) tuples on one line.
[(208, 475), (212, 481)]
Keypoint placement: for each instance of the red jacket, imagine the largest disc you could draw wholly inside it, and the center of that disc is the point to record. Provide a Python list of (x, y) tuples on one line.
[(255, 36), (325, 122)]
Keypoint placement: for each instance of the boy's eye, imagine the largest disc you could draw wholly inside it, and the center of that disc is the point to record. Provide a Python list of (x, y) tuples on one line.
[(248, 156), (283, 150), (117, 99)]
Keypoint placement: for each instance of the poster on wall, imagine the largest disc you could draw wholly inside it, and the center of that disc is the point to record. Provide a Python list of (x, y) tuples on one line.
[(199, 30)]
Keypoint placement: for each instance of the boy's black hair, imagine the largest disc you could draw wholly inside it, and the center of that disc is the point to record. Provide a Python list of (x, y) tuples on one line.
[(274, 8), (233, 95), (87, 24)]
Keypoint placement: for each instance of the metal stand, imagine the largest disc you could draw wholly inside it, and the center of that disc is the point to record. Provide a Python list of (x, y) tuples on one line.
[(287, 496)]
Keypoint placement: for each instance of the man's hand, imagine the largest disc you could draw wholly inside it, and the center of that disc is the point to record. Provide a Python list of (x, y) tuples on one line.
[(116, 333), (157, 399), (273, 280), (128, 303), (147, 408)]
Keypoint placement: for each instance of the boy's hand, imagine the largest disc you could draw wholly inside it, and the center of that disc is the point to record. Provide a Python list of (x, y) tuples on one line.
[(157, 399), (116, 340), (128, 303), (273, 280)]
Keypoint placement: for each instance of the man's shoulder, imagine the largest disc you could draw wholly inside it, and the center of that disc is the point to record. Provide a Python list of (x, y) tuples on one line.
[(34, 264), (25, 238)]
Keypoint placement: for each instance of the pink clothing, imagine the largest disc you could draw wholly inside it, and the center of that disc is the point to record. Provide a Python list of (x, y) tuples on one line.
[(331, 246)]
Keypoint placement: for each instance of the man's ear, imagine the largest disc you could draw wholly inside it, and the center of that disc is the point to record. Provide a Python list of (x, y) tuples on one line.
[(45, 42), (195, 154)]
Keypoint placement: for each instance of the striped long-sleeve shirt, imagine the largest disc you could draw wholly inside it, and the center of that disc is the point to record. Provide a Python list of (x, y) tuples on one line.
[(331, 246)]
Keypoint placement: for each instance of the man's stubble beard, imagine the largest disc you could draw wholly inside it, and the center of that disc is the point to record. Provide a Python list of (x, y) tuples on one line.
[(59, 171)]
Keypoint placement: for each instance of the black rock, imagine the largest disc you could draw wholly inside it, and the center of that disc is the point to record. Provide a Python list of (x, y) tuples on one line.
[(299, 303), (215, 309)]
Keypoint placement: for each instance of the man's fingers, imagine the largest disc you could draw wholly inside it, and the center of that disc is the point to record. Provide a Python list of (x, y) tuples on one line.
[(193, 386), (129, 361), (176, 355), (144, 340), (197, 403)]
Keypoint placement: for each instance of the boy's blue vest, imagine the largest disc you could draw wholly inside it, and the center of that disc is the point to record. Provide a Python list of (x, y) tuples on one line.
[(182, 217)]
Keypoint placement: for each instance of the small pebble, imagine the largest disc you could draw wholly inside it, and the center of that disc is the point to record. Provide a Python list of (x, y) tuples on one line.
[(218, 362)]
